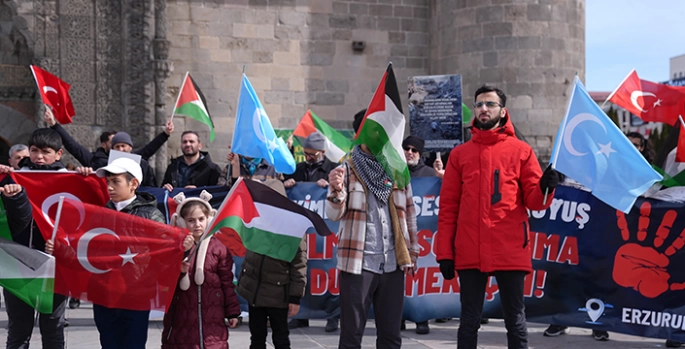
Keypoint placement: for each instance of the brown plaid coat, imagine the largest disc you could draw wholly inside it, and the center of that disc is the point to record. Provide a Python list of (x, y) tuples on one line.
[(349, 205)]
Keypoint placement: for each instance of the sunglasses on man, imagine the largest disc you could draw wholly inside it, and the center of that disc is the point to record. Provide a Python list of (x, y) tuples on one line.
[(413, 150)]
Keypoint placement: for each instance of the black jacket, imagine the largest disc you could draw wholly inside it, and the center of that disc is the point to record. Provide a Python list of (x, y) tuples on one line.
[(301, 173), (205, 173), (421, 170), (144, 205), (99, 157)]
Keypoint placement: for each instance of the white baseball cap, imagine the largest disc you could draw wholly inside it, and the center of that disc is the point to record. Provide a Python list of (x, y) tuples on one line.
[(122, 165)]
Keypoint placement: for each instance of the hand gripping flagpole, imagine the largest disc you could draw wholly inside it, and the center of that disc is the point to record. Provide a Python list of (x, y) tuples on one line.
[(209, 224)]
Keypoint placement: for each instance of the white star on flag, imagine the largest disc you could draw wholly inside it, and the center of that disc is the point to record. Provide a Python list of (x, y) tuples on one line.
[(605, 149), (127, 257), (657, 103), (272, 144)]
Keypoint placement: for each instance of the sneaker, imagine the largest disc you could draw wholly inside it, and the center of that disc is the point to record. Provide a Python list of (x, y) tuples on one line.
[(442, 320), (555, 330), (600, 335), (422, 328), (403, 326), (331, 325), (673, 344), (484, 321), (295, 323), (74, 303)]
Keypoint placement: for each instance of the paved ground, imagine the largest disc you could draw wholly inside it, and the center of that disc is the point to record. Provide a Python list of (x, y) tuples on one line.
[(81, 334)]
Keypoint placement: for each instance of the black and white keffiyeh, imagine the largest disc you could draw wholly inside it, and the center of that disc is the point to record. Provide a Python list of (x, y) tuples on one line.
[(372, 174)]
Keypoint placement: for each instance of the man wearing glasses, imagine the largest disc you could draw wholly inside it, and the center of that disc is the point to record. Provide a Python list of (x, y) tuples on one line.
[(489, 183), (316, 166), (413, 148)]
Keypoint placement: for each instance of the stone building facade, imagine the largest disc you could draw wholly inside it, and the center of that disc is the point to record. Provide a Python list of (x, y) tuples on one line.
[(125, 59)]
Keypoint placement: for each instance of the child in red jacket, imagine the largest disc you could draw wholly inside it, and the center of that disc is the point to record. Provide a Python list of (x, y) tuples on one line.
[(205, 304)]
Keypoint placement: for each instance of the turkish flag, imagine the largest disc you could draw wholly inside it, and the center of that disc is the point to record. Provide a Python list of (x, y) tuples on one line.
[(45, 188), (649, 100), (55, 93), (116, 259)]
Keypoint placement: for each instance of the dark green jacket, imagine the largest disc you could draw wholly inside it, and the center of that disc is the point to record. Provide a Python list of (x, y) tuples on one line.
[(272, 283)]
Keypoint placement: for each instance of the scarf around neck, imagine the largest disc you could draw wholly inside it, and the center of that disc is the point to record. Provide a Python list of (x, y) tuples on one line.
[(372, 174)]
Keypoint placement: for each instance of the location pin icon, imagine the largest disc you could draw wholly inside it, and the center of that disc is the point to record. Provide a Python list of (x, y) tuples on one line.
[(594, 314)]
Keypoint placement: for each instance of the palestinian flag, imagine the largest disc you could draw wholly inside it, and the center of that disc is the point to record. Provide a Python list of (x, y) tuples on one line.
[(263, 221), (191, 103), (465, 115), (28, 274), (382, 129), (337, 145)]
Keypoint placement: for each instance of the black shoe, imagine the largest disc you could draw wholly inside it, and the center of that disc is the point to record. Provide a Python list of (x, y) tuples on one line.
[(484, 321), (600, 335), (331, 325), (295, 323), (74, 303), (422, 328), (555, 330), (442, 320), (403, 326), (673, 344)]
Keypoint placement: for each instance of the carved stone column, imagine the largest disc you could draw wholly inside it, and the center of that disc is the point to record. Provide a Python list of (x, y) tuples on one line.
[(163, 68)]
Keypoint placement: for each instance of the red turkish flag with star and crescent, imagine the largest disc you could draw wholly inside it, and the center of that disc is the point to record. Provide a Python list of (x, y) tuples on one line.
[(116, 259), (649, 100), (55, 93), (45, 188)]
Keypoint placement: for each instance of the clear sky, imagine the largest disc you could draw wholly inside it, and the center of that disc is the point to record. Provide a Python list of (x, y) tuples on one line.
[(624, 34)]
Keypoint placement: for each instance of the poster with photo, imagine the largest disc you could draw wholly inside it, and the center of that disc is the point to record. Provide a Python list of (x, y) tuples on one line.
[(435, 111)]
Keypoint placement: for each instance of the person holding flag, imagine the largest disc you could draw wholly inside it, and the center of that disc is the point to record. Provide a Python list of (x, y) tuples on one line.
[(45, 151), (371, 196), (490, 182), (197, 317)]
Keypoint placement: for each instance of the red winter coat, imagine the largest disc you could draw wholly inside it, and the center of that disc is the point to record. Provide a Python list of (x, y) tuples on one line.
[(477, 228), (219, 301)]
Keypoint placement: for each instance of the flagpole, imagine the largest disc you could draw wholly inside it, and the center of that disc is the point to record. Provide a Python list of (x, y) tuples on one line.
[(57, 218), (617, 87), (173, 111), (209, 224)]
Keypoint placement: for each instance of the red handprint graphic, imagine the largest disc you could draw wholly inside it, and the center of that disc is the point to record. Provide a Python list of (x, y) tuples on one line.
[(643, 268)]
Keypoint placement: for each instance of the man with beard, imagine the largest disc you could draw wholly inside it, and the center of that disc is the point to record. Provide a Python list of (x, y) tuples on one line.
[(413, 148), (194, 169), (495, 178), (316, 166)]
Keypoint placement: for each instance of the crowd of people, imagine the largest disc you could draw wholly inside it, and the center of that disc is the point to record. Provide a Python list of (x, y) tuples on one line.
[(495, 174)]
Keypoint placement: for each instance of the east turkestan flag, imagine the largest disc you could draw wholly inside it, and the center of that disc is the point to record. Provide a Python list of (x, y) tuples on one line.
[(382, 129), (28, 274), (262, 220), (337, 145), (191, 103)]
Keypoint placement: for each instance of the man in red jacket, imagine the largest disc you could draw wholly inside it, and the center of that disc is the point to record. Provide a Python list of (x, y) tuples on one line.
[(494, 178)]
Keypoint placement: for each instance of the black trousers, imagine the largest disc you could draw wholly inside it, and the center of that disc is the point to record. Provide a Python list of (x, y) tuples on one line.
[(472, 295), (278, 318), (121, 328), (21, 318), (357, 293)]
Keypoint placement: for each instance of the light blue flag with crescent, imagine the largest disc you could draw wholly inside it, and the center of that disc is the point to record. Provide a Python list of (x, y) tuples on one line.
[(593, 151), (254, 136)]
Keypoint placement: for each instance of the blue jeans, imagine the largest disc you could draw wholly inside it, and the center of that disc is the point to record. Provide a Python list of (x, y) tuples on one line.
[(121, 328)]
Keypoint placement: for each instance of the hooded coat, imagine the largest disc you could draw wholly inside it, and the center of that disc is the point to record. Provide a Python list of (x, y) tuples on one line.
[(213, 294), (489, 183)]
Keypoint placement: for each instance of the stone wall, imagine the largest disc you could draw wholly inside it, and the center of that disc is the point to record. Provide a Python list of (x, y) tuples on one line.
[(297, 54), (530, 49)]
